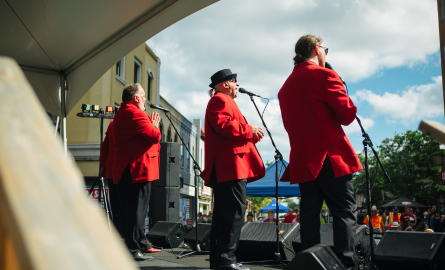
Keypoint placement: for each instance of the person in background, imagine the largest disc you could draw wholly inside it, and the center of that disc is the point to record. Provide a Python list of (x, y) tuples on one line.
[(249, 218), (411, 225), (421, 227), (297, 219), (381, 212), (395, 226), (361, 217), (385, 218), (189, 226), (405, 217), (200, 218), (289, 216), (394, 216), (330, 218), (209, 219), (436, 223), (419, 217), (296, 211), (377, 221), (270, 217)]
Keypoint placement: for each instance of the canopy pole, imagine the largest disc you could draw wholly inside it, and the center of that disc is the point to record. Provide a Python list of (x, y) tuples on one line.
[(63, 111)]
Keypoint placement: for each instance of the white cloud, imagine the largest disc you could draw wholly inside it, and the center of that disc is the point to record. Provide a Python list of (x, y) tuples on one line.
[(416, 103), (354, 127)]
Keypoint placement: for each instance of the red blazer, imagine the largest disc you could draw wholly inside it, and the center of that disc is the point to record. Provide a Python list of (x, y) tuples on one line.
[(106, 153), (314, 105), (228, 143), (136, 142)]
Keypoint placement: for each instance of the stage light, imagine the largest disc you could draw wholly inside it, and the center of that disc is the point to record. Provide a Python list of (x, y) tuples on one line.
[(109, 109), (95, 108), (86, 108)]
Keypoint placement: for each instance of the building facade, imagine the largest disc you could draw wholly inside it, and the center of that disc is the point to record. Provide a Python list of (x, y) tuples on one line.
[(441, 20), (83, 134)]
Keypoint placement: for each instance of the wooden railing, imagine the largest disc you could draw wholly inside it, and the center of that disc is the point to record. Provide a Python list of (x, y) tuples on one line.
[(46, 221)]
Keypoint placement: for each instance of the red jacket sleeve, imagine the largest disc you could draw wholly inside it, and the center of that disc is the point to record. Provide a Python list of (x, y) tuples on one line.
[(220, 115), (338, 100), (144, 126)]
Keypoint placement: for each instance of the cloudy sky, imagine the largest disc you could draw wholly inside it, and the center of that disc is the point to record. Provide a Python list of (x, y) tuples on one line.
[(386, 51)]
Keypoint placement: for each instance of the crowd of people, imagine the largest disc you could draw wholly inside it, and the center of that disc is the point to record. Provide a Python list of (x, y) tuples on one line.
[(431, 220)]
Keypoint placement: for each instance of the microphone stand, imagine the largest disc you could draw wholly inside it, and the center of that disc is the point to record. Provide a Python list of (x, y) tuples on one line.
[(278, 156), (367, 142), (197, 169)]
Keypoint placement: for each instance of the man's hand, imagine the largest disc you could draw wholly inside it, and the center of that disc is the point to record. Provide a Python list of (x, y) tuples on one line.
[(258, 132), (155, 118)]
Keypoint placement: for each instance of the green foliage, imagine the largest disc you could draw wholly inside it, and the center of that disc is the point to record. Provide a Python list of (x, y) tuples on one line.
[(291, 204), (268, 163), (409, 159), (258, 203)]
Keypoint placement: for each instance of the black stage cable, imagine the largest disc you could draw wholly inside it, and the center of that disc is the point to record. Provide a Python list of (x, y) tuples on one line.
[(31, 34)]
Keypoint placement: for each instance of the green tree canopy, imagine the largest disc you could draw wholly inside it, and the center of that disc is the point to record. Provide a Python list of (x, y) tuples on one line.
[(409, 160)]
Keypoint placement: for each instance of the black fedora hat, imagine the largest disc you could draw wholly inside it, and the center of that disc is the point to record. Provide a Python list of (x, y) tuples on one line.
[(221, 76)]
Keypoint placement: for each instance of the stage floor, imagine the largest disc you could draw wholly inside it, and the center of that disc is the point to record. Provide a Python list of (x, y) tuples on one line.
[(167, 260)]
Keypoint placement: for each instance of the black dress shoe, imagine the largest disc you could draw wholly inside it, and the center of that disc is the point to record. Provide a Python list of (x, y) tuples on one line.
[(233, 266), (138, 256)]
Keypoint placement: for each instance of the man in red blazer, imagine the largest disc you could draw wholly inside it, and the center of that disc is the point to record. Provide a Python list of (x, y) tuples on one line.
[(314, 105), (136, 163), (231, 161)]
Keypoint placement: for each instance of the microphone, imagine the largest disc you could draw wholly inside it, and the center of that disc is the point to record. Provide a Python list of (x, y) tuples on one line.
[(244, 91), (327, 65), (156, 107)]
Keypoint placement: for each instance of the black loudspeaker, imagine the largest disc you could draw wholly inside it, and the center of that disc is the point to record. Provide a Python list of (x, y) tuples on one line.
[(169, 165), (167, 235), (319, 257), (411, 250), (164, 205), (203, 237), (362, 245), (258, 241)]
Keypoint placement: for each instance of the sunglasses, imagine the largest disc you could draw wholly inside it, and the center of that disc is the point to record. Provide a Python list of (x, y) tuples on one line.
[(326, 49)]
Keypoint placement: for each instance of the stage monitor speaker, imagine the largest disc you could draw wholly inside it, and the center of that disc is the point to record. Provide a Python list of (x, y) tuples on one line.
[(411, 250), (164, 205), (258, 241), (169, 165), (203, 237), (166, 234), (319, 257), (362, 246)]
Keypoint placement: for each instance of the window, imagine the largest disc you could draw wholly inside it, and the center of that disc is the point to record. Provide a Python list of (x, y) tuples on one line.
[(188, 156), (150, 79), (169, 135), (181, 156), (120, 71), (176, 138), (442, 15), (137, 71), (161, 129)]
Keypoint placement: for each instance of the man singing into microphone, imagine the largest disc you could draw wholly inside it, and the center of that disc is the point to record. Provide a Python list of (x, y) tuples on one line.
[(136, 164), (314, 105), (231, 161)]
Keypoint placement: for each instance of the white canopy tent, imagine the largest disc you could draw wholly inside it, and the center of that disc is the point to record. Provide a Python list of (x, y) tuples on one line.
[(73, 43)]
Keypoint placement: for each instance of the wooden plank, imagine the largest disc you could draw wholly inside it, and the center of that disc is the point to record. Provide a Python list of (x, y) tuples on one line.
[(433, 129), (42, 204)]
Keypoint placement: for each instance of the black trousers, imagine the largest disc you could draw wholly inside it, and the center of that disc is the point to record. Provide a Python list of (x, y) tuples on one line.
[(339, 196), (228, 215), (115, 205), (135, 198)]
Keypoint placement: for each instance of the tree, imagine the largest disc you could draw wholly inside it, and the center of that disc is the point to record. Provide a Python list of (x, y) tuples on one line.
[(408, 159), (258, 203), (291, 204), (268, 163)]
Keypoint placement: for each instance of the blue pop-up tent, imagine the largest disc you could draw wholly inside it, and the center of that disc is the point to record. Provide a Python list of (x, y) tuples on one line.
[(273, 205), (265, 187)]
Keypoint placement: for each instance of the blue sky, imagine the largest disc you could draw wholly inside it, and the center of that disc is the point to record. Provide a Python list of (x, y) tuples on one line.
[(386, 50)]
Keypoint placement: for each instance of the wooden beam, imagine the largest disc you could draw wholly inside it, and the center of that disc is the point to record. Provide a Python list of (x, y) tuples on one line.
[(433, 129), (45, 213)]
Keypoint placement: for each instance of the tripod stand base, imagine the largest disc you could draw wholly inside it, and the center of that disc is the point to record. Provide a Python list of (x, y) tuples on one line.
[(197, 251)]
